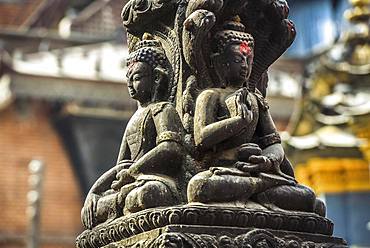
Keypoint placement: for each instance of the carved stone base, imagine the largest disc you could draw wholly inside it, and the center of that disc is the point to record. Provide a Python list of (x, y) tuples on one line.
[(183, 236), (212, 226)]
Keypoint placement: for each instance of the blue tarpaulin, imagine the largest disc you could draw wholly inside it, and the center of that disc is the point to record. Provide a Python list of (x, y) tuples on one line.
[(351, 215), (318, 23)]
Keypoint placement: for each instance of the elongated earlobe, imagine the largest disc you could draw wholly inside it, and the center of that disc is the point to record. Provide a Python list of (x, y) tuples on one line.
[(160, 75), (219, 65), (160, 84)]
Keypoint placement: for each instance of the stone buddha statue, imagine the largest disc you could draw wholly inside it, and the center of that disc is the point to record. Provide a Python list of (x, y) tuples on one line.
[(242, 157), (201, 163), (149, 167)]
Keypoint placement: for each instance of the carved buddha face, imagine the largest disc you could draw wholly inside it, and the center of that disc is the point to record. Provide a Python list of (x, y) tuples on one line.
[(238, 58), (140, 81)]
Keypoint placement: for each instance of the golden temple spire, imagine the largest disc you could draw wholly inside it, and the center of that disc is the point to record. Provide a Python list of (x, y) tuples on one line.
[(358, 16), (359, 11), (336, 108)]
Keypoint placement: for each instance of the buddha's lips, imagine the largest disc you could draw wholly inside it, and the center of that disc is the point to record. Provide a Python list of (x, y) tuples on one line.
[(243, 74), (131, 91)]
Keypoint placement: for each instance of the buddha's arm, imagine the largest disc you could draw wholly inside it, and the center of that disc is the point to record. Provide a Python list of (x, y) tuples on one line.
[(104, 182), (275, 153), (269, 138), (167, 156), (124, 151), (99, 189), (209, 132), (163, 159)]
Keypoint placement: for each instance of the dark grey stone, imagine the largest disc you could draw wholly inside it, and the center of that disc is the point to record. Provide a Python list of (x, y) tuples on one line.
[(202, 154)]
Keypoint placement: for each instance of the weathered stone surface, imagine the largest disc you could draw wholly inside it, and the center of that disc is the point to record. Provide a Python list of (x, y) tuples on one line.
[(233, 219), (184, 236), (201, 163)]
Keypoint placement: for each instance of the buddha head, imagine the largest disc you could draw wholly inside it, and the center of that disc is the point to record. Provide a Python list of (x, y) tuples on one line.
[(233, 57), (147, 75)]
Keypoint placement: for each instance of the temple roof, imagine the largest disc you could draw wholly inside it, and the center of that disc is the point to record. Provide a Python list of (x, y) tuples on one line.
[(327, 136), (336, 94), (92, 73), (31, 14)]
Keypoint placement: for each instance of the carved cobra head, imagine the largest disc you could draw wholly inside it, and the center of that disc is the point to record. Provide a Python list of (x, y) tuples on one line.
[(233, 56), (147, 76)]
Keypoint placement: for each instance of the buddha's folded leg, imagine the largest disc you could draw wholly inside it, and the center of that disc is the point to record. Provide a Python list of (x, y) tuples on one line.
[(107, 208), (210, 187), (293, 198), (151, 194), (110, 206)]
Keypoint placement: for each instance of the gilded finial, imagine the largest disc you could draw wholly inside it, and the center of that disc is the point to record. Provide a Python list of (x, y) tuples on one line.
[(359, 2), (358, 15), (355, 39), (359, 12)]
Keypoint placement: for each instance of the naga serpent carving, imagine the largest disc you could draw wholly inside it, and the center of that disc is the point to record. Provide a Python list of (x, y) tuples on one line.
[(202, 150)]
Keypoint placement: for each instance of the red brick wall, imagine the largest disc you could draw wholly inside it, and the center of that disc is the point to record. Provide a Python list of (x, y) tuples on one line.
[(25, 135), (15, 14)]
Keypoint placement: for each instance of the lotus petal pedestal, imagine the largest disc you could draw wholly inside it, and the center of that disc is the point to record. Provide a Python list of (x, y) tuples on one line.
[(212, 226)]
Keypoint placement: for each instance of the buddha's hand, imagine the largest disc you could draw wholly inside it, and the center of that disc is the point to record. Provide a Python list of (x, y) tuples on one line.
[(243, 104), (255, 164), (123, 164), (247, 150), (89, 209), (123, 177), (220, 171)]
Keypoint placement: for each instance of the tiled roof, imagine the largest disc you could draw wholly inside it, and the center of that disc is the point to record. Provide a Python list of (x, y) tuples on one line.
[(32, 13), (16, 14), (48, 15), (102, 17)]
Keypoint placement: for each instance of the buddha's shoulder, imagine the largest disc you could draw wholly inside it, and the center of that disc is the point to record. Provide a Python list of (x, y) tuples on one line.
[(158, 107), (212, 92)]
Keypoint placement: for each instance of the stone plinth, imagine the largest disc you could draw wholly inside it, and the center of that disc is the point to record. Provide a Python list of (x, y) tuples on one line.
[(212, 226)]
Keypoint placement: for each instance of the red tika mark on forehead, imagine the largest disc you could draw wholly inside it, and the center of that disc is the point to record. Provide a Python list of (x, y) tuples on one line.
[(245, 48)]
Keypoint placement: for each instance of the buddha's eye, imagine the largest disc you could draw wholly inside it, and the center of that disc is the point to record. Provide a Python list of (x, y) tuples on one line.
[(238, 60), (136, 77)]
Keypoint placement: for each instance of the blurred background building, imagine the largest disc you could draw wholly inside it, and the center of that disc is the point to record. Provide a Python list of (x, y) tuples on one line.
[(64, 105), (62, 101), (330, 131)]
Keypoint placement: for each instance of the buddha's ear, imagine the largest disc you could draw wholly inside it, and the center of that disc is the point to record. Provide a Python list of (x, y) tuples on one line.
[(160, 76), (220, 67), (160, 84), (217, 60)]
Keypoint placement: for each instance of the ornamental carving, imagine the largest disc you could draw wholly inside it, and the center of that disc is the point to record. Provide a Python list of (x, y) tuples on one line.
[(202, 148), (253, 239)]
